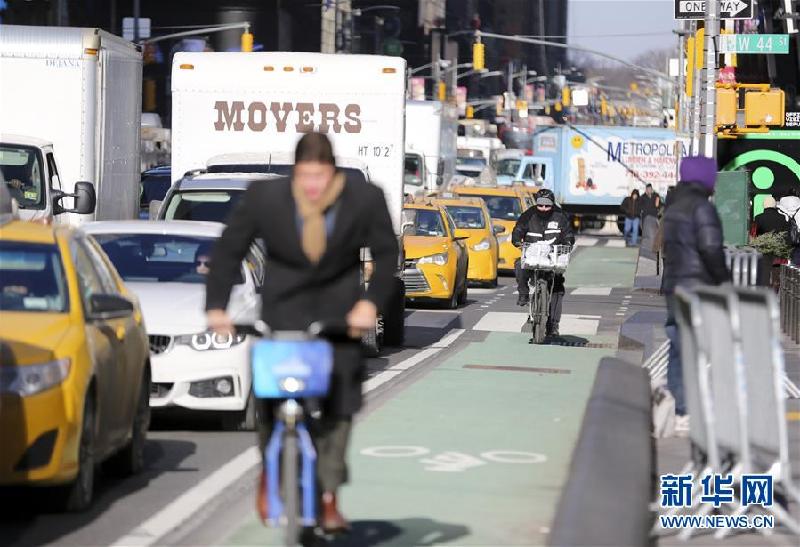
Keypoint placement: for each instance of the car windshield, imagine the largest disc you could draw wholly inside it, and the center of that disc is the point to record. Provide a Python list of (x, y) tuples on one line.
[(470, 218), (160, 258), (508, 166), (477, 163), (282, 169), (211, 205), (413, 170), (22, 173), (31, 278), (501, 207), (423, 222)]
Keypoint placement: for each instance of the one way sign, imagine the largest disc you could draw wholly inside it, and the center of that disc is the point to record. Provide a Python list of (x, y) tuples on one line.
[(729, 9)]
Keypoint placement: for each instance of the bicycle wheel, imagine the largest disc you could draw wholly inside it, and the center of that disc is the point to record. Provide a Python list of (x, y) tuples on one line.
[(542, 299), (290, 487)]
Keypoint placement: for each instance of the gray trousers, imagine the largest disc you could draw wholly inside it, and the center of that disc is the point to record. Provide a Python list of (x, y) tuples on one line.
[(331, 437)]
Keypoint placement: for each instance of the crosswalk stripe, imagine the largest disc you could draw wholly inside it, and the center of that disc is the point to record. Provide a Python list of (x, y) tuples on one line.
[(591, 291)]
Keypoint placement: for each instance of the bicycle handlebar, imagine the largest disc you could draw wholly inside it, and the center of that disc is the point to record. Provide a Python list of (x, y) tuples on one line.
[(333, 329)]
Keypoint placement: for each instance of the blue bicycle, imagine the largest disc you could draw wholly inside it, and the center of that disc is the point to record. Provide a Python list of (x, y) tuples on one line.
[(291, 366)]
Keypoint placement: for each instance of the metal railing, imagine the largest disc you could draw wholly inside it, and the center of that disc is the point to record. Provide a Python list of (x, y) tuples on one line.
[(743, 263), (790, 302)]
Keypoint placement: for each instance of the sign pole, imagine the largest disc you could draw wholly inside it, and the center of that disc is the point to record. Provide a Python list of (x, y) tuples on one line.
[(708, 137)]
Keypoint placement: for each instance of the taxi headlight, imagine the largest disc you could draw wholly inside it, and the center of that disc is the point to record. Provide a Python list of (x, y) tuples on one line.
[(203, 341), (482, 246), (438, 259), (32, 379)]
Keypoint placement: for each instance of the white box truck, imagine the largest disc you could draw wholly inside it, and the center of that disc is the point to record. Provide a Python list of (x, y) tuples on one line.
[(260, 104), (70, 97), (430, 145)]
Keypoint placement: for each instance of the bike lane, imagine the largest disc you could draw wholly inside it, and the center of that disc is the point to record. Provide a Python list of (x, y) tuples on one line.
[(474, 453)]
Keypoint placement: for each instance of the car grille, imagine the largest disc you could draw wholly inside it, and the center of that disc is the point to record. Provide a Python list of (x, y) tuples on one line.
[(415, 281), (159, 343), (159, 390)]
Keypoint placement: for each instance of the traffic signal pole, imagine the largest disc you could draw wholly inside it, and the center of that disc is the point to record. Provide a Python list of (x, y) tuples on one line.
[(708, 92)]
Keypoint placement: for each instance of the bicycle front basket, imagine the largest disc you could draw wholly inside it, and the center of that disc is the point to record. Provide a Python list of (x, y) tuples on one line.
[(291, 369)]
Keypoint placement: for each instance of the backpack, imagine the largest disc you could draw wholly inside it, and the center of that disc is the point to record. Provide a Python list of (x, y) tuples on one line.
[(794, 230)]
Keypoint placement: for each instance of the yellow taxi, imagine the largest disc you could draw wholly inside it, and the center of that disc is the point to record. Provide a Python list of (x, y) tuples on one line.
[(74, 363), (473, 221), (505, 204), (436, 259)]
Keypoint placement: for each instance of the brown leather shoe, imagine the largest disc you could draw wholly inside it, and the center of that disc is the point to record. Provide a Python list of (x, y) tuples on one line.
[(332, 519), (261, 498)]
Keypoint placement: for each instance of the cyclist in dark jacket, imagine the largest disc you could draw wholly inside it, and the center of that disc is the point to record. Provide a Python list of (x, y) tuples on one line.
[(693, 253), (543, 222)]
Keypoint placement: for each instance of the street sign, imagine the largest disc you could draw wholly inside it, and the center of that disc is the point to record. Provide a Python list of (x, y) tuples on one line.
[(754, 43), (729, 9), (792, 120), (127, 28)]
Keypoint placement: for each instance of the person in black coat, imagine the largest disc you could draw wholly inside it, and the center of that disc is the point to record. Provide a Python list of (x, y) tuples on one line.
[(693, 254), (631, 209), (313, 225), (770, 220), (543, 222)]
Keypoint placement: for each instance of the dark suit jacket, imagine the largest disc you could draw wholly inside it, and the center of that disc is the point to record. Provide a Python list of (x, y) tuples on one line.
[(297, 292)]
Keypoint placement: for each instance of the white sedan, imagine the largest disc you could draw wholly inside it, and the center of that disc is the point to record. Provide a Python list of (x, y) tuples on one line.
[(165, 264)]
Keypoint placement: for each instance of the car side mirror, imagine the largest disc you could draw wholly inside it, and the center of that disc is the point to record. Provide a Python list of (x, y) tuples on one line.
[(460, 238), (153, 209), (408, 229), (498, 229), (85, 199), (109, 306)]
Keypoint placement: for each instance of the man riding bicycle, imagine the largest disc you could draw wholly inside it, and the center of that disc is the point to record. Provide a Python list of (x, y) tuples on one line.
[(546, 223), (314, 225)]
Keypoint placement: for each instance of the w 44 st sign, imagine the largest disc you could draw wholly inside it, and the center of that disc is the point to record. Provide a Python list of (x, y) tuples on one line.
[(728, 9)]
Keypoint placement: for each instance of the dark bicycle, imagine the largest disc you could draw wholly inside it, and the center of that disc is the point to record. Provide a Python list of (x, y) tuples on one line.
[(545, 260)]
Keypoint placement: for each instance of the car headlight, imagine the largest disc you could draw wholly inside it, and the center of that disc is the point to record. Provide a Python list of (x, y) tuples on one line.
[(32, 379), (503, 239), (482, 246), (210, 340), (438, 259)]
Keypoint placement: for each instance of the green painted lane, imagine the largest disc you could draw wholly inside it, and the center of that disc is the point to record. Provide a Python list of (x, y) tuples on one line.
[(460, 429), (602, 267)]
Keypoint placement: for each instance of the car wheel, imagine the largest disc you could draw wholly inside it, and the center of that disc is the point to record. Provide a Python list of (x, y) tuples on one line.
[(78, 495), (243, 420), (462, 294), (452, 302), (371, 342), (130, 460), (394, 320)]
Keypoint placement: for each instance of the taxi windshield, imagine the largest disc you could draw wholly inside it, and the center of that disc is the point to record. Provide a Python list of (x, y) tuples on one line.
[(469, 218), (424, 222), (210, 205), (159, 258), (502, 207), (22, 173), (31, 278)]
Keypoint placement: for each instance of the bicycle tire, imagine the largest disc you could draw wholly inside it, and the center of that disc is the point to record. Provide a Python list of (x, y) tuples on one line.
[(541, 295), (291, 505)]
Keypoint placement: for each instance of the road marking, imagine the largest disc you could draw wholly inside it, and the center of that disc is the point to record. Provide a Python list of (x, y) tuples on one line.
[(191, 501), (582, 241), (591, 291), (501, 321), (615, 243), (182, 508), (481, 291), (579, 324)]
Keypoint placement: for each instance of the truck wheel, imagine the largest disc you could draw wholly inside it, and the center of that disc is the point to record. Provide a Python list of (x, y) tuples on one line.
[(394, 320)]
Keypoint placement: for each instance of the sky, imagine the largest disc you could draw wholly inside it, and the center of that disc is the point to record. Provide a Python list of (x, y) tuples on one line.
[(651, 20)]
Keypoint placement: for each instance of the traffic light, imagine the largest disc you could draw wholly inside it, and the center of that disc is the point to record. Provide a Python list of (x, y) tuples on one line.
[(566, 96), (764, 108), (247, 41), (727, 107), (478, 56), (603, 107)]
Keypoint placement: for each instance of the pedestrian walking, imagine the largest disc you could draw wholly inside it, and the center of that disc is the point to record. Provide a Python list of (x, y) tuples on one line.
[(693, 255), (770, 220), (632, 210), (789, 208)]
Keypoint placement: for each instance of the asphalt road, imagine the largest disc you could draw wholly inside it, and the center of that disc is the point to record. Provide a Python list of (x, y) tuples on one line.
[(186, 457)]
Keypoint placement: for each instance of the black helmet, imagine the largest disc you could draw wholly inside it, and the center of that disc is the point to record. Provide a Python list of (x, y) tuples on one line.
[(545, 197)]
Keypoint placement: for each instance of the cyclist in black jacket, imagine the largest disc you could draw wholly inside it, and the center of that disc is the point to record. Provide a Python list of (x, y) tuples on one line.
[(543, 222)]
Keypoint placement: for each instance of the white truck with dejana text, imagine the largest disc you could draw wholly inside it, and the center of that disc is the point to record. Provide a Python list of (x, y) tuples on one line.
[(258, 105), (70, 106)]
